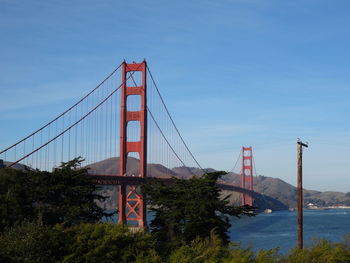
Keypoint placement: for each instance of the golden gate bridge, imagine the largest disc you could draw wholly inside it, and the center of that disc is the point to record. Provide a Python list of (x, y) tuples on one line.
[(123, 118)]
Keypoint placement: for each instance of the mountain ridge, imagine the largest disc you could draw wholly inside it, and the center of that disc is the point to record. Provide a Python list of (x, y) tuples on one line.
[(271, 192)]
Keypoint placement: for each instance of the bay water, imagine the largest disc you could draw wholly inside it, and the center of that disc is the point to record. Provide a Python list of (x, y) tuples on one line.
[(279, 229)]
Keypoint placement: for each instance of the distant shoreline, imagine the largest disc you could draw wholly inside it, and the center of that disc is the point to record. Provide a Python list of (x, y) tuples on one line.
[(327, 207), (339, 207)]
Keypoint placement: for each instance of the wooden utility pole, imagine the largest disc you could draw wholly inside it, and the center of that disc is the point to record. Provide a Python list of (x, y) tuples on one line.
[(300, 146)]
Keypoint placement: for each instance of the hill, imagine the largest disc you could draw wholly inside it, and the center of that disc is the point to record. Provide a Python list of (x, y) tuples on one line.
[(271, 192), (287, 193)]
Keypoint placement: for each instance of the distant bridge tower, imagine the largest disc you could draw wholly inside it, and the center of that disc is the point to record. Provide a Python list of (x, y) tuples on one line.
[(247, 175), (132, 206)]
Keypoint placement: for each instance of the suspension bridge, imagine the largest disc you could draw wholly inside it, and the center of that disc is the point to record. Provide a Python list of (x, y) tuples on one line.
[(125, 120)]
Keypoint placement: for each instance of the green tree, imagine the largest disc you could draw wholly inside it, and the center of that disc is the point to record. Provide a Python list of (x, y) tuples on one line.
[(66, 195), (186, 209), (15, 198), (107, 243)]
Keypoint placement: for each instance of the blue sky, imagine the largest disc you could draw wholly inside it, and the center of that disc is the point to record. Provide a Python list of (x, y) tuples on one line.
[(233, 72)]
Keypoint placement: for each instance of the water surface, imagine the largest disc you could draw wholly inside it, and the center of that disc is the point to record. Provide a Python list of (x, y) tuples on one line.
[(279, 229)]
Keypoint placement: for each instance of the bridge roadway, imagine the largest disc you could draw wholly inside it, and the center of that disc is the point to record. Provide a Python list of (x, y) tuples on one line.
[(134, 180)]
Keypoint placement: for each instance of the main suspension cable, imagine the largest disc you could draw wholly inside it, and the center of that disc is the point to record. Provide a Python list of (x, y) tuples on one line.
[(62, 114), (161, 132), (163, 135), (177, 130), (234, 167), (256, 174), (67, 129)]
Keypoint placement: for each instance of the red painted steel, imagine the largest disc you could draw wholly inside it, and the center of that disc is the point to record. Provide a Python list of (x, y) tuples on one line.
[(247, 175), (132, 205)]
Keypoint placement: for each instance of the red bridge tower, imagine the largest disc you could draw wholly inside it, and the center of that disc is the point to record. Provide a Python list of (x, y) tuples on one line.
[(247, 175), (132, 206)]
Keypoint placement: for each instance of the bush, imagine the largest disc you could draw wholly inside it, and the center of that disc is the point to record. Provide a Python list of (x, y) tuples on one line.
[(268, 256), (31, 242), (100, 242), (237, 254), (104, 243), (322, 251), (200, 250), (212, 250)]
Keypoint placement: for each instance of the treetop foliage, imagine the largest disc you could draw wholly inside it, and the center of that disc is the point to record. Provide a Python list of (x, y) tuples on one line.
[(186, 209), (66, 195)]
